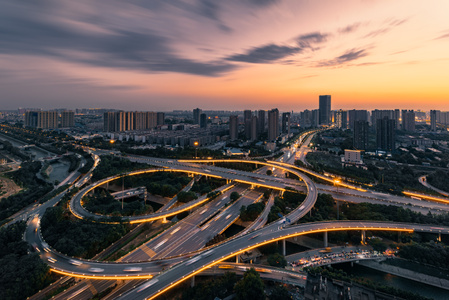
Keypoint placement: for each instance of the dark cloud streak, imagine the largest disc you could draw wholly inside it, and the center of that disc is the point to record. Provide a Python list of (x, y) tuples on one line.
[(265, 54), (348, 56), (36, 34)]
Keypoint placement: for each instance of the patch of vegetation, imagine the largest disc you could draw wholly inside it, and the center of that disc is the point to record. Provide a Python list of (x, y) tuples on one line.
[(75, 237), (343, 276), (277, 260), (210, 289), (102, 202), (21, 274), (252, 211), (185, 197), (216, 239), (285, 204), (251, 287), (234, 196), (7, 146), (206, 185), (88, 165), (35, 189), (165, 184), (431, 253), (440, 180)]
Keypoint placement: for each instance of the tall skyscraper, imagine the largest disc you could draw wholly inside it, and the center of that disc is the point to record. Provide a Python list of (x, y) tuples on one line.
[(380, 114), (408, 120), (324, 109), (385, 129), (356, 115), (341, 119), (233, 128), (67, 119), (254, 128), (273, 124), (31, 119), (397, 116), (360, 141), (139, 120), (151, 120), (247, 123), (160, 118), (261, 122), (286, 122), (196, 115), (315, 118), (203, 120), (433, 120)]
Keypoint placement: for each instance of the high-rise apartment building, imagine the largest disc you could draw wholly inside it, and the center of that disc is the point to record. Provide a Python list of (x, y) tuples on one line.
[(408, 120), (31, 119), (315, 118), (360, 141), (341, 119), (286, 122), (433, 120), (254, 128), (47, 119), (356, 115), (67, 119), (247, 123), (324, 109), (203, 120), (196, 115), (233, 128), (397, 117), (380, 114), (151, 120), (160, 118), (273, 124), (385, 134), (261, 122), (127, 120)]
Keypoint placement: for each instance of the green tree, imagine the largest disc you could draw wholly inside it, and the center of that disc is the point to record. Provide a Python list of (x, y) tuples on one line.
[(234, 196), (251, 287), (277, 260), (280, 293)]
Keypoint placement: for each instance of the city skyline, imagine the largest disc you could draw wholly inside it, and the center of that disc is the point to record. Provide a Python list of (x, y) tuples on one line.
[(170, 55)]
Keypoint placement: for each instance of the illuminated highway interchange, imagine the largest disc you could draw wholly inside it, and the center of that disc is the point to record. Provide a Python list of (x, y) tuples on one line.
[(178, 253)]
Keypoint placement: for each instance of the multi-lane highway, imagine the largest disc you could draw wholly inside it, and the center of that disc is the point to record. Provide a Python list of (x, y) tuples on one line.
[(208, 219), (269, 234)]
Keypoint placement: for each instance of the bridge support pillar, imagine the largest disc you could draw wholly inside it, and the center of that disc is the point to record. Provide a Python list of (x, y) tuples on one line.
[(252, 186), (284, 248), (325, 240), (192, 281), (439, 237), (399, 236), (164, 220), (282, 193), (237, 259), (363, 237)]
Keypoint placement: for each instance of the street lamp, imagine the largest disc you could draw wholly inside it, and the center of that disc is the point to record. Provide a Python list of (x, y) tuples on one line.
[(337, 182), (195, 144)]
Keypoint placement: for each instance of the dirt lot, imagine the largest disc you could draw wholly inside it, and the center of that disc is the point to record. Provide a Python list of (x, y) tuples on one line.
[(8, 187)]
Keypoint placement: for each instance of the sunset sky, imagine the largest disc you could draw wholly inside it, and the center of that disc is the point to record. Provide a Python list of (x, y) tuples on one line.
[(235, 54)]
